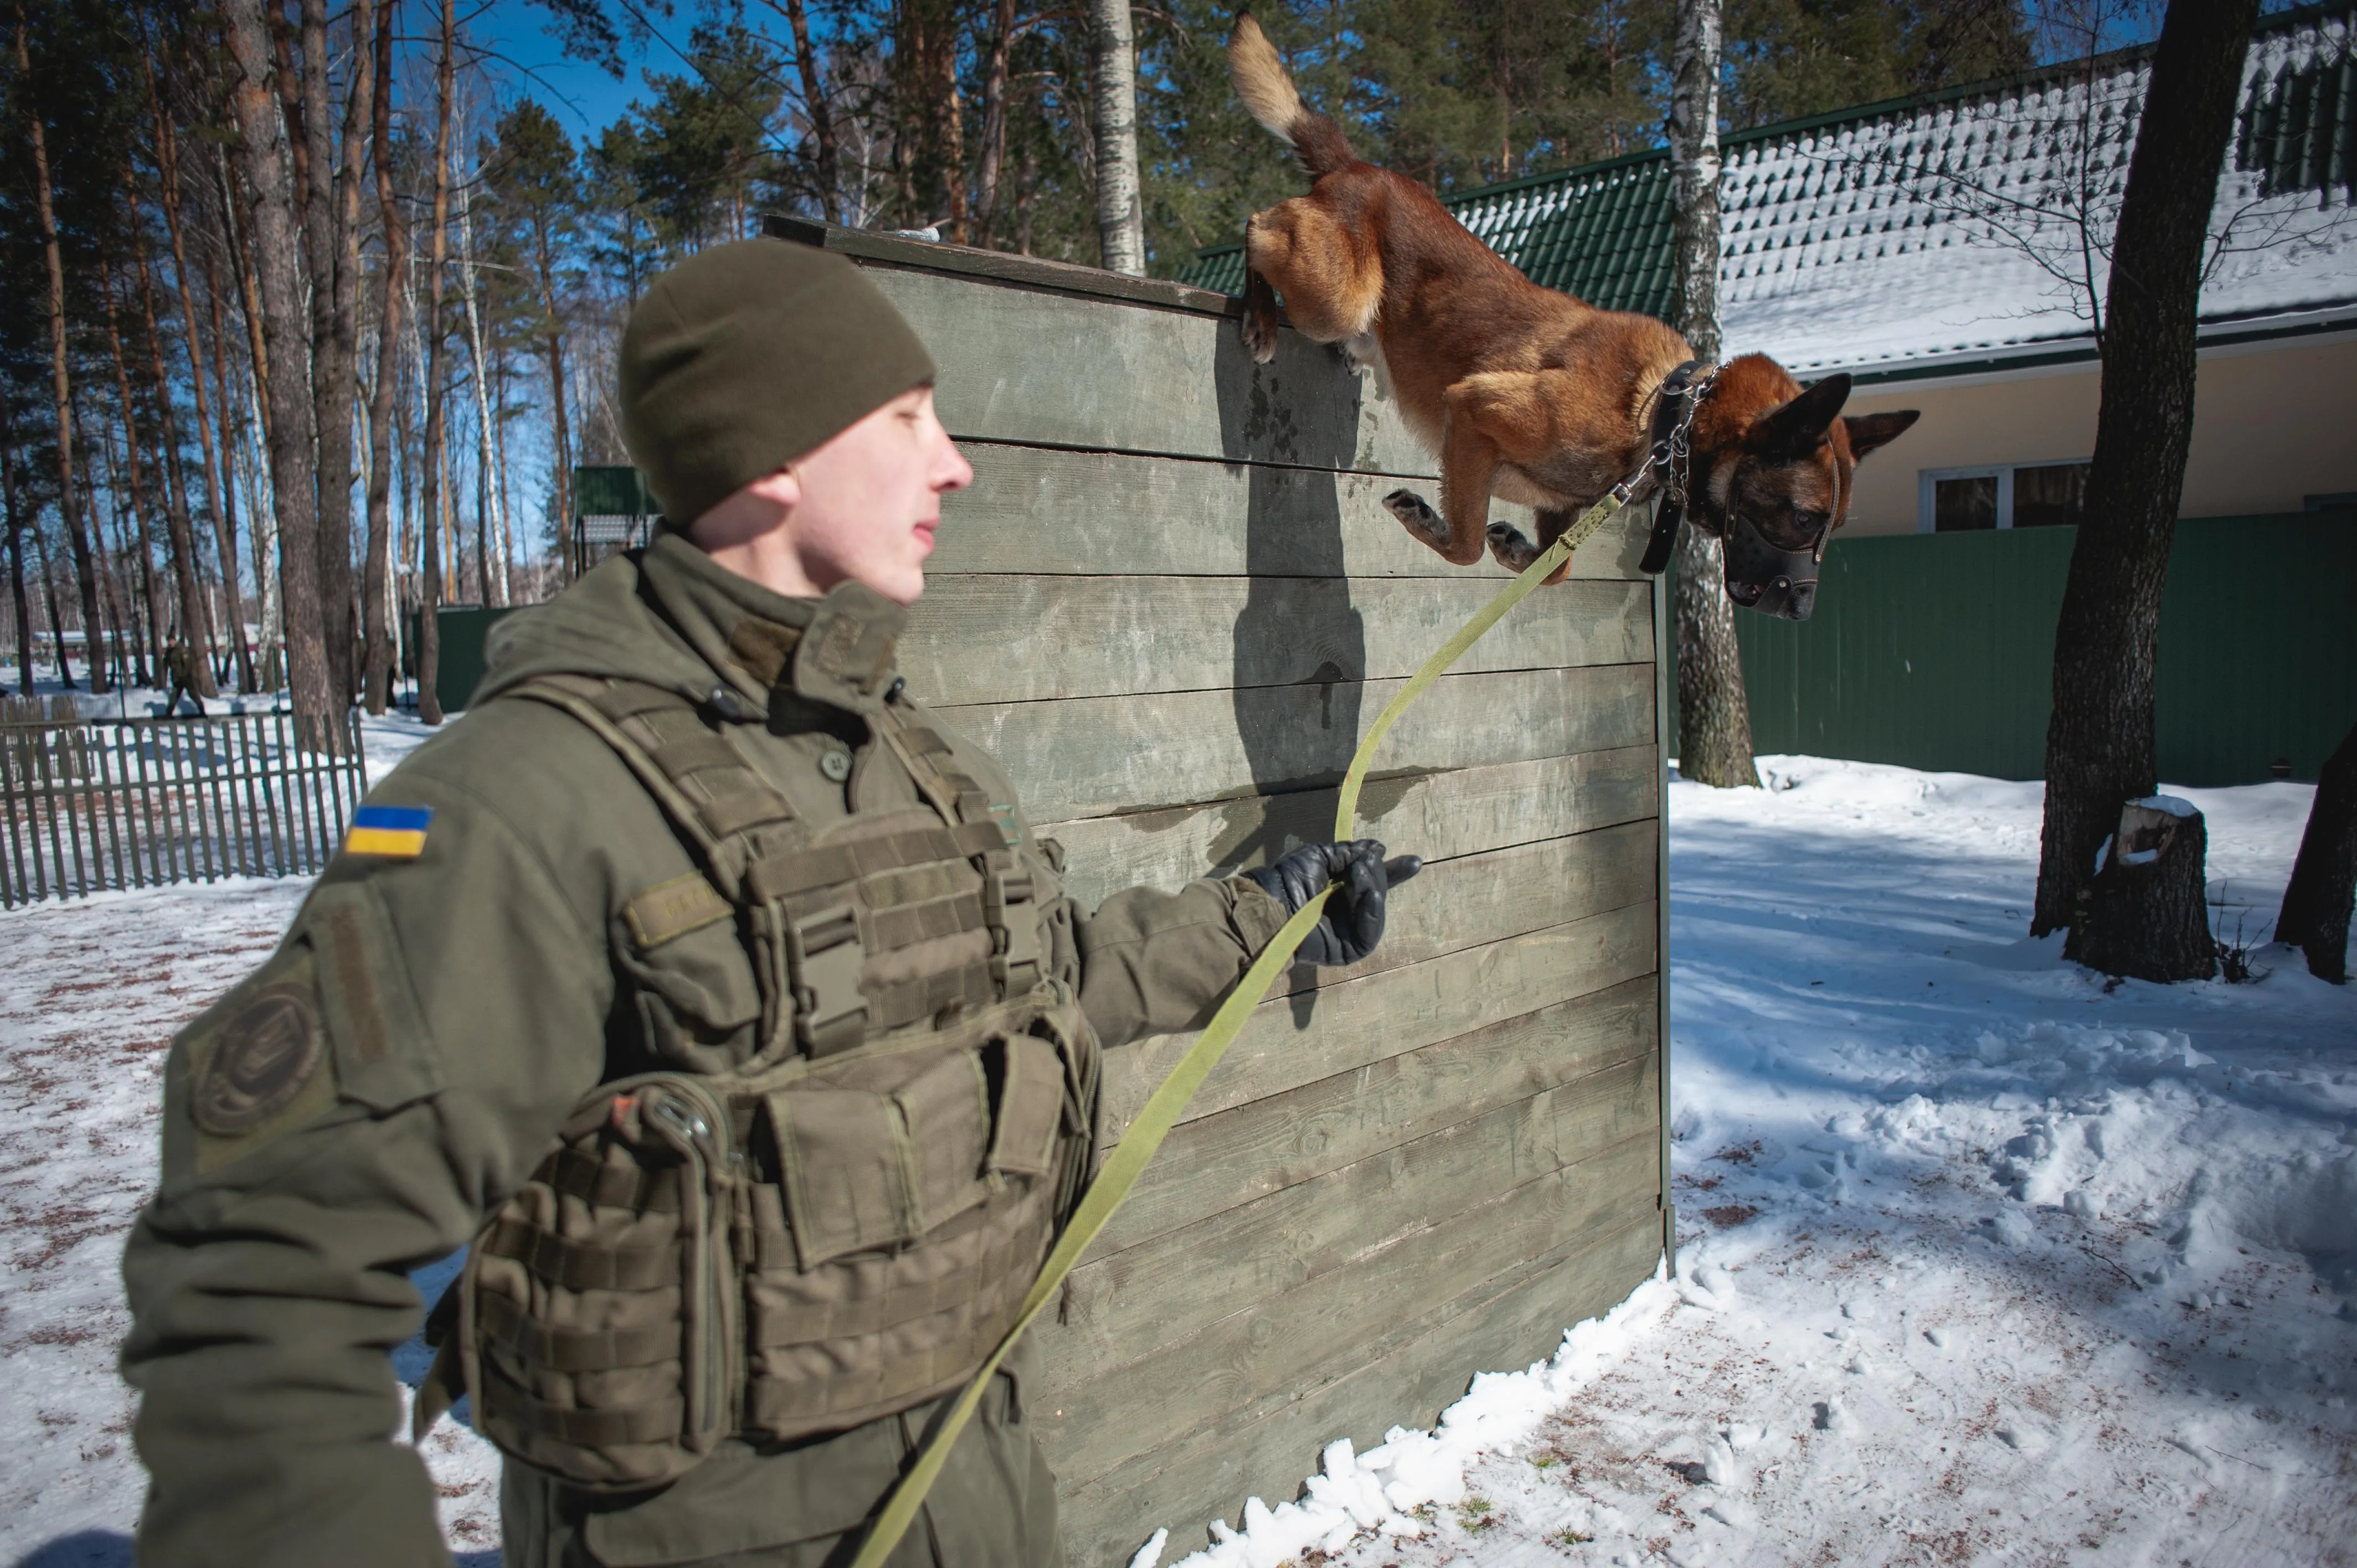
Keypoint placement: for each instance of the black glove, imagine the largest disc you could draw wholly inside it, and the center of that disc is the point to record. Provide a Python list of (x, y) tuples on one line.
[(1353, 921)]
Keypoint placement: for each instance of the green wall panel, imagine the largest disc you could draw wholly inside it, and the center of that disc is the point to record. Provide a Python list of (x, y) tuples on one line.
[(1936, 650)]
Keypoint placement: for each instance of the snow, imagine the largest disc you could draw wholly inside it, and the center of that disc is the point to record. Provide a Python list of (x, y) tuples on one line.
[(1981, 1256)]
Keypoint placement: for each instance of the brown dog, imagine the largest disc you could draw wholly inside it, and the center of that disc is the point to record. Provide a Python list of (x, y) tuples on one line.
[(1524, 393)]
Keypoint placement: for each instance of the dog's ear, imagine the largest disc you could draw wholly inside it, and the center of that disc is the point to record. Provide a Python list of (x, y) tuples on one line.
[(1796, 429), (1869, 431)]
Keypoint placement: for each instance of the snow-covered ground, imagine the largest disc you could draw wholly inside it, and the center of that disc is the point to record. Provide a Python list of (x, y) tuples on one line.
[(1983, 1261)]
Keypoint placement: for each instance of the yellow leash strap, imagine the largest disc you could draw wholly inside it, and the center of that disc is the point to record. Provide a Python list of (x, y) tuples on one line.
[(1161, 1112)]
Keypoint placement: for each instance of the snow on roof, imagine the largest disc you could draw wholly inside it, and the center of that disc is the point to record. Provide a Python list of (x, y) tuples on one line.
[(1945, 231)]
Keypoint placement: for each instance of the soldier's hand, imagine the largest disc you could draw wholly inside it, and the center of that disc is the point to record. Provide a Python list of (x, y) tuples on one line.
[(1352, 922)]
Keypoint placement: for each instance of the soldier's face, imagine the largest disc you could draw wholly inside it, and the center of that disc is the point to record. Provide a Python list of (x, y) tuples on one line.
[(869, 501)]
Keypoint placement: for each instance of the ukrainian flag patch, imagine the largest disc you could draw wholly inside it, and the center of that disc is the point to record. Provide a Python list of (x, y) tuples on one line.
[(398, 831)]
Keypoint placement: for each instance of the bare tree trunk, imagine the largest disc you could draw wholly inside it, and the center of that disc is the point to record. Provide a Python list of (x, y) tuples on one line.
[(2317, 904), (429, 595), (130, 469), (993, 121), (487, 500), (376, 680), (332, 225), (2099, 741), (215, 485), (1714, 712), (136, 633), (17, 524), (61, 383), (195, 613), (273, 256), (552, 344), (827, 161), (1112, 96), (57, 627), (226, 519)]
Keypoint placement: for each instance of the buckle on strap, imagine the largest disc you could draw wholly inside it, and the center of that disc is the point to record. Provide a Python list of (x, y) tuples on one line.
[(1009, 907), (824, 957)]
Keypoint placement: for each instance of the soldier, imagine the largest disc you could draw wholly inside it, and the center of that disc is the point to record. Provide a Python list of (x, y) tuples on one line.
[(726, 982), (179, 669)]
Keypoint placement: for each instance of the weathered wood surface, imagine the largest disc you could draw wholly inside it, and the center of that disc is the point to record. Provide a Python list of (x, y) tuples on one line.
[(1341, 1209), (990, 637), (1051, 369), (1505, 1322), (968, 261), (1435, 815), (1170, 604), (1249, 1151), (1364, 1021), (1255, 1360), (1040, 510), (1088, 756)]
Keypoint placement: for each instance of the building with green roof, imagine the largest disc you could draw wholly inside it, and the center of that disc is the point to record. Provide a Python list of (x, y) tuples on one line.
[(1931, 247)]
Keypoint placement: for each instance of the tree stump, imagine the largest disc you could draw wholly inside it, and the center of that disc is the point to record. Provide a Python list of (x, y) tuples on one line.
[(2144, 915), (2316, 904)]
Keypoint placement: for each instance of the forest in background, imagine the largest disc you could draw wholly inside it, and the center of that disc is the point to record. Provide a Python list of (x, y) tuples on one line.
[(309, 311)]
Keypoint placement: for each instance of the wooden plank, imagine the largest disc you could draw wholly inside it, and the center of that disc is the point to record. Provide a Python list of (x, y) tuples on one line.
[(1000, 638), (1222, 1163), (1261, 1358), (1089, 756), (1349, 1020), (1171, 1285), (869, 247), (1437, 815), (1504, 1324), (1035, 511), (1063, 369)]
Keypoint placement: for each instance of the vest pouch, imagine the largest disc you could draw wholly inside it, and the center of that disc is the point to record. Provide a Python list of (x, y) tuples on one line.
[(914, 1197), (597, 1313)]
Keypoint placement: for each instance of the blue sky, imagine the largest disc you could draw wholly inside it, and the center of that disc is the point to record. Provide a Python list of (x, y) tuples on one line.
[(531, 62)]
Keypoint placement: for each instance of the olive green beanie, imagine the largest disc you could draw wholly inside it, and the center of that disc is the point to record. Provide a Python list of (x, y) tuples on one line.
[(744, 357)]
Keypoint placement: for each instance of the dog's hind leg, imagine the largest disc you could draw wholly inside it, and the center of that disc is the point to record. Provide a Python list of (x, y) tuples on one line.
[(1258, 328), (1331, 278)]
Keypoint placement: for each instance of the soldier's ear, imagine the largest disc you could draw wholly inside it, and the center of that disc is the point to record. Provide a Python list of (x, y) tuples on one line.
[(1869, 431)]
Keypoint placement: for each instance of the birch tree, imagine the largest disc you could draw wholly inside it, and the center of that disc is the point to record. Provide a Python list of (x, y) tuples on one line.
[(1113, 99), (1714, 715)]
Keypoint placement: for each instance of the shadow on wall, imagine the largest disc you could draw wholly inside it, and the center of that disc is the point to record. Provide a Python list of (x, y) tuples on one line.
[(1300, 645)]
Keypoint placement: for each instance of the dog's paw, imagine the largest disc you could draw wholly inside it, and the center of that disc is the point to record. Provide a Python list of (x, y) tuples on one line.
[(1258, 329), (1511, 547), (1415, 515)]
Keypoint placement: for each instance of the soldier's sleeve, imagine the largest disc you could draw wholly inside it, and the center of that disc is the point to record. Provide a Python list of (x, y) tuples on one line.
[(1152, 961), (346, 1114)]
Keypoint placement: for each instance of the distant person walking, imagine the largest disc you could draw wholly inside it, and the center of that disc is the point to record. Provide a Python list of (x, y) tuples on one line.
[(179, 670)]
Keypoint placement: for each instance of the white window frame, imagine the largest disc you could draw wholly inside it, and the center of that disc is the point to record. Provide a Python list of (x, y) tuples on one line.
[(1927, 492)]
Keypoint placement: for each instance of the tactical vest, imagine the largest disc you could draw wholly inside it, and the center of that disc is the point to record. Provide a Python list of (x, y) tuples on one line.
[(844, 1225)]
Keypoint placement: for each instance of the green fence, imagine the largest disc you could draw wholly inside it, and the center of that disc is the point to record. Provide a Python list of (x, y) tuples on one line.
[(459, 664), (1937, 651)]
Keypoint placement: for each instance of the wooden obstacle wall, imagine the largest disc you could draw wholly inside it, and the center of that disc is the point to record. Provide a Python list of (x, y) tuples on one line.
[(1170, 604)]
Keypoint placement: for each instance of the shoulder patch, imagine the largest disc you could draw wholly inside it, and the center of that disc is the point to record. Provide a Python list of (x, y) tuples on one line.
[(265, 1052), (397, 833)]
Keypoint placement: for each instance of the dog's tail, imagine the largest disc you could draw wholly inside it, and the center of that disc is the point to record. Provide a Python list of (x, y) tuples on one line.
[(1267, 89)]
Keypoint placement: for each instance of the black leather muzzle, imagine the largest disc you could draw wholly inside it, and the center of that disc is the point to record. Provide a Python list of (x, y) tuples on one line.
[(1767, 578)]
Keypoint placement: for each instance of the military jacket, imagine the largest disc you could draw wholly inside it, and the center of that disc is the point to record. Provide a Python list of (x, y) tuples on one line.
[(357, 1107)]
